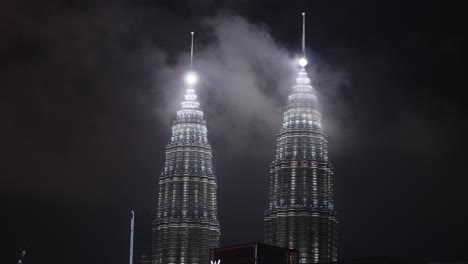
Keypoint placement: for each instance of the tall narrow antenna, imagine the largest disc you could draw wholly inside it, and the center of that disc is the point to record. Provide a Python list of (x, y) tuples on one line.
[(303, 60), (191, 77), (132, 223), (191, 51), (303, 35)]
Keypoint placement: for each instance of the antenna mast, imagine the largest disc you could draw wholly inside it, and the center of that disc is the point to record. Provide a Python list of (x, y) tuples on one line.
[(191, 77), (303, 35), (191, 51), (132, 223), (303, 60)]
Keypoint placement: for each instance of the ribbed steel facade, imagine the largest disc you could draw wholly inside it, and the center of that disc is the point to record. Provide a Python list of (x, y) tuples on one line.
[(300, 213), (187, 226)]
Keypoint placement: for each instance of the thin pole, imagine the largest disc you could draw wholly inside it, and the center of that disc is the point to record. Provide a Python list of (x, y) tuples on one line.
[(191, 51), (132, 223), (256, 255), (22, 257), (303, 35)]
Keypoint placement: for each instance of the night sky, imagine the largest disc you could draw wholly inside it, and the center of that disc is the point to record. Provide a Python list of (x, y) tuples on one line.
[(89, 90)]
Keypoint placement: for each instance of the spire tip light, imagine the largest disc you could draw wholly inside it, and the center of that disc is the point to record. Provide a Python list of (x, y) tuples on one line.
[(191, 78), (302, 62)]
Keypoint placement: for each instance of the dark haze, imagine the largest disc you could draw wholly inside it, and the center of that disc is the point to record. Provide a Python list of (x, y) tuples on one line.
[(90, 88)]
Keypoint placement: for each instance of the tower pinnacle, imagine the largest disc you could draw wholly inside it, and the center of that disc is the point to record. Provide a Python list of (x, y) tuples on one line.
[(191, 77), (191, 51), (303, 60)]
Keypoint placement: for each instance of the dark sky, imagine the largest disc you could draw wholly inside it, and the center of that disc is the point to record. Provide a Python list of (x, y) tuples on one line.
[(89, 88)]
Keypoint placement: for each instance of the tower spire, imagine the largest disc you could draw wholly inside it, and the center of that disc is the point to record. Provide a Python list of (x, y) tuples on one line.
[(303, 60), (303, 35), (191, 77), (191, 52)]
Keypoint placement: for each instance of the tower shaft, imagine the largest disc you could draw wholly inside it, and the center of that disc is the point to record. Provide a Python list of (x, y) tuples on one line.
[(301, 214), (186, 225)]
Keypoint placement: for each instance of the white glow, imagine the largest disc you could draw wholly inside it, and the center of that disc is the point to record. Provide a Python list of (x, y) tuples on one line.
[(191, 78), (302, 62)]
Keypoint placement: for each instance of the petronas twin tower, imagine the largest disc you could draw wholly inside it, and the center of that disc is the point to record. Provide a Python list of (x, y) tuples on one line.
[(187, 226), (300, 214)]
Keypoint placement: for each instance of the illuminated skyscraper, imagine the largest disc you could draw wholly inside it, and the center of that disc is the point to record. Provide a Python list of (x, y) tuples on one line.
[(186, 225), (300, 213)]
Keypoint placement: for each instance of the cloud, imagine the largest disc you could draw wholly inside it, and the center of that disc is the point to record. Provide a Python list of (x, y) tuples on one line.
[(245, 77)]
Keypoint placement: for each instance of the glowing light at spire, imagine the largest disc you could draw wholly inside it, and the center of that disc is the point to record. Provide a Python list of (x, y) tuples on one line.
[(191, 78), (302, 62)]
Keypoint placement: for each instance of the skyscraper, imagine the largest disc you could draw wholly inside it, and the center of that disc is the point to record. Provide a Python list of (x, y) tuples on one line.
[(300, 213), (186, 225)]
